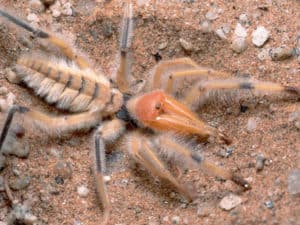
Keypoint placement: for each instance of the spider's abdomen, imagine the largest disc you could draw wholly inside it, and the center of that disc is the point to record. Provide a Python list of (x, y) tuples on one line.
[(69, 87)]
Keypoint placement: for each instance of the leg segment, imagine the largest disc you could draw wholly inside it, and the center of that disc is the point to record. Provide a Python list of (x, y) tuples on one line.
[(181, 152), (51, 125), (60, 43), (163, 67), (198, 72), (202, 88), (125, 44), (108, 132), (143, 153), (8, 122)]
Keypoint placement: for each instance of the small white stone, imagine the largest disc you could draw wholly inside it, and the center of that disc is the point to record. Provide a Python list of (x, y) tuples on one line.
[(263, 54), (294, 182), (220, 33), (230, 201), (243, 19), (206, 26), (32, 17), (212, 14), (260, 36), (56, 13), (251, 124), (175, 219), (82, 191), (106, 179), (239, 44), (185, 44), (36, 5), (67, 12), (240, 31)]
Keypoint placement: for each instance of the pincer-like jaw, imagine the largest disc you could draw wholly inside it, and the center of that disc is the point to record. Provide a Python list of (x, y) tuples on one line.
[(162, 112)]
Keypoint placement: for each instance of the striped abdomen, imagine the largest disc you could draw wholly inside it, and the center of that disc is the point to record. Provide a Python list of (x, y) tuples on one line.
[(64, 84)]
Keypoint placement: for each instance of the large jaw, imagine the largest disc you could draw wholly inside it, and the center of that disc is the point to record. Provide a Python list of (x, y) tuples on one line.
[(162, 112)]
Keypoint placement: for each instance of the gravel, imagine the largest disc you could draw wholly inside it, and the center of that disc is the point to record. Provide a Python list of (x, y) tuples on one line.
[(63, 169), (281, 53), (260, 36), (294, 182), (239, 42), (230, 201), (186, 45), (269, 204), (83, 191), (20, 183), (260, 162)]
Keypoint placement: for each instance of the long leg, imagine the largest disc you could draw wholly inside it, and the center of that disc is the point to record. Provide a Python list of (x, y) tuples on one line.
[(202, 88), (125, 44), (60, 43), (179, 151), (106, 133), (49, 124), (143, 153)]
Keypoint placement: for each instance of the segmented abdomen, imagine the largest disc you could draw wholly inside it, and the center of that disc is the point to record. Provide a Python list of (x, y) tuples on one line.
[(64, 84)]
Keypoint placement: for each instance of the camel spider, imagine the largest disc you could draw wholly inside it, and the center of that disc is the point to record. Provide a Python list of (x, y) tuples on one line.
[(72, 85)]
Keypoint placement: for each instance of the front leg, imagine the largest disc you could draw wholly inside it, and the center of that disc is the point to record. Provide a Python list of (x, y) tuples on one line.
[(54, 126)]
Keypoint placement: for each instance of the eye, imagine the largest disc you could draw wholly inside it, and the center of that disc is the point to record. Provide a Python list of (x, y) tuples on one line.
[(158, 106)]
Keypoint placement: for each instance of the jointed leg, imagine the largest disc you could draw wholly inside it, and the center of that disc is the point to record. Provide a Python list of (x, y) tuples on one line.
[(180, 64), (198, 72), (202, 88), (106, 133), (125, 44), (142, 152), (171, 147), (60, 43), (49, 124)]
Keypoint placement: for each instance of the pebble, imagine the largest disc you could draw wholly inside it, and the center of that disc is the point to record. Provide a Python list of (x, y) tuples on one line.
[(244, 20), (240, 31), (36, 5), (82, 191), (32, 17), (175, 219), (162, 45), (281, 53), (230, 201), (11, 76), (56, 13), (20, 183), (20, 214), (260, 36), (220, 33), (251, 124), (206, 26), (260, 162), (263, 54), (239, 45), (107, 179), (294, 182), (212, 14), (269, 204), (63, 169), (186, 45), (239, 42)]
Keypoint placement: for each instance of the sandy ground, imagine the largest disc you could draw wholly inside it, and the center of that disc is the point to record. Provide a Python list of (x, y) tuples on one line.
[(136, 197)]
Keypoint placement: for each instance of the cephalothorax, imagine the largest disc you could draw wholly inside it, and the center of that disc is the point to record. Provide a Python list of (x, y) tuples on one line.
[(72, 85)]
